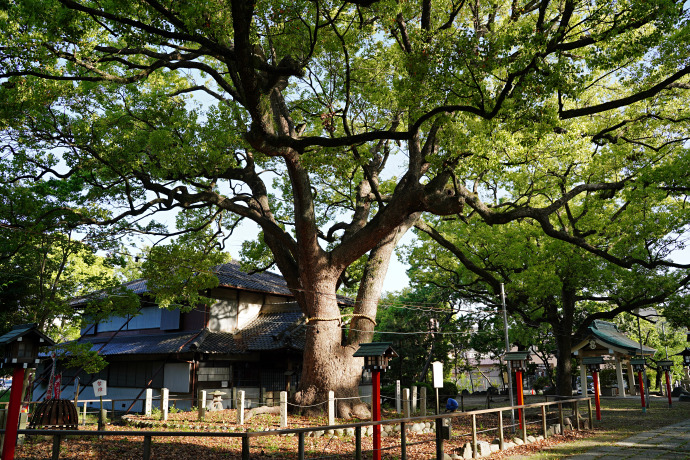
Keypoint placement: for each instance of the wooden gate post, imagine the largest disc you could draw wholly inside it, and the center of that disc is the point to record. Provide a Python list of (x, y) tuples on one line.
[(500, 430)]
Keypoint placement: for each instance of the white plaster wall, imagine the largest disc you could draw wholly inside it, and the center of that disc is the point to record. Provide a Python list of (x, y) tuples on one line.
[(248, 308), (276, 304), (223, 315)]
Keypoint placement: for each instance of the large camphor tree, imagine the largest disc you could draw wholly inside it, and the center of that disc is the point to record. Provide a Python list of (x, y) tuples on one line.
[(290, 113)]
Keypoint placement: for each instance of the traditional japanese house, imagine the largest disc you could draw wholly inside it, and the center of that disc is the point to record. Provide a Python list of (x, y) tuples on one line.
[(251, 338)]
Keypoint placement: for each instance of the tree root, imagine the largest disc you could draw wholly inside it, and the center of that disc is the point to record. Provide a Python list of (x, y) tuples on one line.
[(275, 410)]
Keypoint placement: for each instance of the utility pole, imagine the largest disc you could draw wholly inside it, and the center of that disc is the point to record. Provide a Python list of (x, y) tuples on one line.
[(510, 378)]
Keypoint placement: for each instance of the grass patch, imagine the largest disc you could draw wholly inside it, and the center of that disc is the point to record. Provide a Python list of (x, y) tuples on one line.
[(620, 419)]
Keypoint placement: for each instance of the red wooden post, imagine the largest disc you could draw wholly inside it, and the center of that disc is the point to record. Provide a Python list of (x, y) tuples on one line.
[(376, 356), (520, 395), (641, 380), (668, 389), (597, 401), (13, 414), (376, 409)]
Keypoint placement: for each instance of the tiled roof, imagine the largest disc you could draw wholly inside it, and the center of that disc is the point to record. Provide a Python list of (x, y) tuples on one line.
[(272, 331), (138, 287), (178, 342), (229, 275), (269, 331), (609, 333)]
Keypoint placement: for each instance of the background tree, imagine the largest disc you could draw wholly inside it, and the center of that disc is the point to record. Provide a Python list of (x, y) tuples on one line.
[(655, 332), (422, 325), (546, 280), (99, 95), (44, 262)]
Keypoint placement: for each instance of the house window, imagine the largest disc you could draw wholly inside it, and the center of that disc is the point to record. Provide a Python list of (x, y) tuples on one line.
[(247, 376), (273, 380), (148, 318), (112, 324), (136, 374), (215, 371)]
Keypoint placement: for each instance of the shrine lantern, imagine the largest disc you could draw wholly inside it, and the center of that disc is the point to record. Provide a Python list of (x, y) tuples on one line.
[(665, 365), (518, 362), (638, 364), (593, 364), (686, 357), (376, 356), (21, 345)]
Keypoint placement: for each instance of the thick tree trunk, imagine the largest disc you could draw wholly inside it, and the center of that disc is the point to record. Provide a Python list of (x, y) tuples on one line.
[(371, 285), (328, 364), (563, 330), (564, 368)]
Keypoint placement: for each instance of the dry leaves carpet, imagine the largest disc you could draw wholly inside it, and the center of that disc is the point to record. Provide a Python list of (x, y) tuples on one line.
[(420, 446)]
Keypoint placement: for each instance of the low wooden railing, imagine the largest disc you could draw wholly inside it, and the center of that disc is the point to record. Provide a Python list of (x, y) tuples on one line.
[(59, 435)]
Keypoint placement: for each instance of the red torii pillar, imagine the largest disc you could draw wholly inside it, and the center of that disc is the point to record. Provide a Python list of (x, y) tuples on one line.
[(13, 414), (638, 366), (593, 364), (665, 366)]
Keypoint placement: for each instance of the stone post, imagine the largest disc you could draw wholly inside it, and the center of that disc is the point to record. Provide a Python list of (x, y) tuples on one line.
[(406, 403), (3, 414), (414, 399), (619, 377), (283, 409), (422, 401), (148, 402), (631, 380), (201, 400), (583, 378), (331, 408), (398, 397), (240, 407), (165, 394), (23, 421)]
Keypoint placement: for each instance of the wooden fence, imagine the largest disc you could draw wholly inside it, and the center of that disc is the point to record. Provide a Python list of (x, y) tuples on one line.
[(573, 405)]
